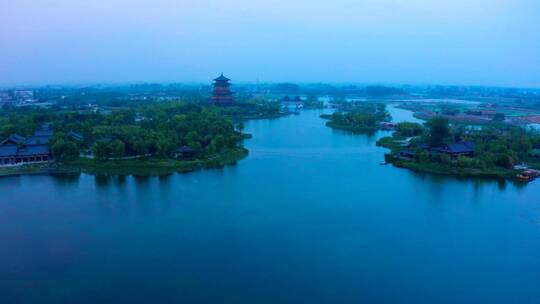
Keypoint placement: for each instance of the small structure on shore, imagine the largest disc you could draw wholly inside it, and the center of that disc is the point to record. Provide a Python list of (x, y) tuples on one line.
[(528, 175), (407, 154), (183, 153), (387, 125), (222, 93), (77, 137)]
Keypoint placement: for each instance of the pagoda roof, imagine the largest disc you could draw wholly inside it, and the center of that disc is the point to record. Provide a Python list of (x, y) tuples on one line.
[(222, 78)]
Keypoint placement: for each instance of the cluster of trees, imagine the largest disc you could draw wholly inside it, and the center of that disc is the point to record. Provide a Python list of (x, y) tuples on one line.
[(439, 131), (495, 146), (409, 129), (154, 129), (503, 147), (364, 117), (252, 107), (22, 123)]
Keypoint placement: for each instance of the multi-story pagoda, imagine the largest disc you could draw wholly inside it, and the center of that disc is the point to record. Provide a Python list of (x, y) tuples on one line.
[(222, 93)]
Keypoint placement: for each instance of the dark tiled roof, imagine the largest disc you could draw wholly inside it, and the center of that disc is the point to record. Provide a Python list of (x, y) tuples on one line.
[(43, 133), (38, 140), (8, 150), (407, 152), (15, 138), (458, 147), (34, 150), (222, 78)]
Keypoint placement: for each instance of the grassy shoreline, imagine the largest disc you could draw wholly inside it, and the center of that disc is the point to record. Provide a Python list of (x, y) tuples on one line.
[(440, 169), (348, 128), (355, 130), (138, 167)]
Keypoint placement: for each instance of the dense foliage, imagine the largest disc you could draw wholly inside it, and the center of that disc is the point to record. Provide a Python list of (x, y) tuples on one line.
[(153, 129), (495, 147), (251, 108), (361, 117), (409, 129), (438, 131)]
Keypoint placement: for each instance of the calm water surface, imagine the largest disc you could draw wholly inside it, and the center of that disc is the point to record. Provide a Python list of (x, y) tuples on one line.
[(309, 217)]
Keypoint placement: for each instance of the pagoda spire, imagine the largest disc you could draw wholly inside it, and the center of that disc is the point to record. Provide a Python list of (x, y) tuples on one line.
[(222, 93)]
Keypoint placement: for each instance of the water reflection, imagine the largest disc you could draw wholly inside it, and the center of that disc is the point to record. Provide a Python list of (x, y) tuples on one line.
[(141, 179), (67, 178), (102, 180), (316, 204), (120, 181), (502, 184)]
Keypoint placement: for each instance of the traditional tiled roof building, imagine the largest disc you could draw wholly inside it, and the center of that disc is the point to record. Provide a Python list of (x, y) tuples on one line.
[(222, 93), (17, 149)]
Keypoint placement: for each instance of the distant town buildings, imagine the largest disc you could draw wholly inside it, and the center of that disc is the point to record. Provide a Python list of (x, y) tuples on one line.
[(23, 95), (5, 97), (222, 93), (292, 103), (23, 98)]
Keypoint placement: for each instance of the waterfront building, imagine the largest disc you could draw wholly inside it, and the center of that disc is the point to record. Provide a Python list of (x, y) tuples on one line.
[(461, 148), (222, 93), (19, 150)]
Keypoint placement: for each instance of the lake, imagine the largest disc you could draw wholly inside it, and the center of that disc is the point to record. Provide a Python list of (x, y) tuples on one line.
[(309, 217)]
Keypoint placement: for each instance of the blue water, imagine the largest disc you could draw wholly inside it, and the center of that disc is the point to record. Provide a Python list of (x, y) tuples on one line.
[(309, 217)]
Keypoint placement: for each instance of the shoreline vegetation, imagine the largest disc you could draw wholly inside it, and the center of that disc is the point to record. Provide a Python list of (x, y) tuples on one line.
[(146, 166), (155, 167), (146, 130), (500, 152), (150, 139)]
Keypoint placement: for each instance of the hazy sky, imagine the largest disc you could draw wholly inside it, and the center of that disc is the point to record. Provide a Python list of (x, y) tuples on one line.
[(491, 42)]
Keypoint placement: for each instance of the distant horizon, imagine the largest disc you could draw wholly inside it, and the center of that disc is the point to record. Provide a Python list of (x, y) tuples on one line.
[(491, 43), (233, 82)]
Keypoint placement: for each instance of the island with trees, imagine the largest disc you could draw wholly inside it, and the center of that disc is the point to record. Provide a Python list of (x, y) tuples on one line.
[(361, 117), (497, 151), (151, 139)]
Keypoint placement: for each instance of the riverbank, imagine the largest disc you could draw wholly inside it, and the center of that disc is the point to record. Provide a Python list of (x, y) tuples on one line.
[(260, 116), (347, 127), (45, 168), (139, 167), (451, 169)]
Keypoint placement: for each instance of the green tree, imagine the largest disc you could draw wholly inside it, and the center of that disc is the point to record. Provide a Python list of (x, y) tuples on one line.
[(438, 130), (64, 150), (240, 126), (117, 148), (409, 129), (101, 150)]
